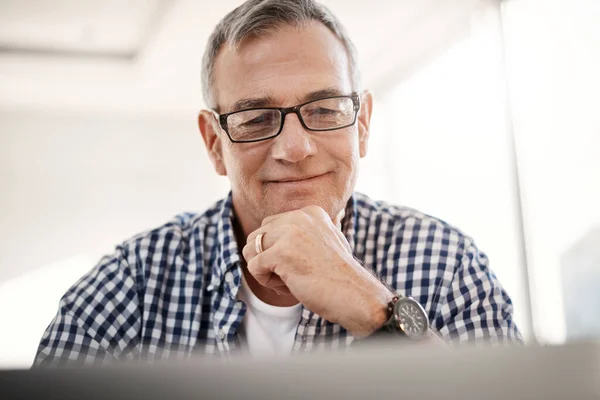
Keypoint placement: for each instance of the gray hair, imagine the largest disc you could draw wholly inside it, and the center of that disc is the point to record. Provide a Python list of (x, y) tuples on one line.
[(257, 18)]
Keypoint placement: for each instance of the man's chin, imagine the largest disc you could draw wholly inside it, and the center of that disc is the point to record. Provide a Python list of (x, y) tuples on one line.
[(279, 207)]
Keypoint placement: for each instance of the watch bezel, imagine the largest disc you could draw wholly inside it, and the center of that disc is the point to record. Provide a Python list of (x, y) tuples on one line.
[(400, 325)]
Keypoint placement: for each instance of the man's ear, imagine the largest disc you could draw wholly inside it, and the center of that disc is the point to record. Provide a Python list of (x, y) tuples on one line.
[(364, 121), (209, 129)]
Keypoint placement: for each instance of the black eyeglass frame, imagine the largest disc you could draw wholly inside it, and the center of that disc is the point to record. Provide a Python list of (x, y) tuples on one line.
[(222, 118)]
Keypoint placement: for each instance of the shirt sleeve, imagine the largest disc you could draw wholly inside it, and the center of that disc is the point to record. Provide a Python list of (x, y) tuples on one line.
[(476, 308), (98, 319)]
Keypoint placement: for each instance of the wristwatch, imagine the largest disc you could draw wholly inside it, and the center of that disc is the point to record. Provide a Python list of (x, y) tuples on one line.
[(406, 317)]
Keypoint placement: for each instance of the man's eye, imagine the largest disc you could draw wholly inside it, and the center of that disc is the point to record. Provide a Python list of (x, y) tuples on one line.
[(324, 111), (261, 119)]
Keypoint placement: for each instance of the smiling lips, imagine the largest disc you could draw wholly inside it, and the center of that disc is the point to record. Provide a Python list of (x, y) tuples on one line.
[(297, 179)]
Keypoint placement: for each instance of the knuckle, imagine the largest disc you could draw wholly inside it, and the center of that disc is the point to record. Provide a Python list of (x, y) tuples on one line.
[(313, 210), (312, 207), (302, 217), (266, 221), (253, 265), (246, 252)]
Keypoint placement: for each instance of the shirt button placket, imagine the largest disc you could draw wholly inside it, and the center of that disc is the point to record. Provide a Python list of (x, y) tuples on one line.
[(302, 335)]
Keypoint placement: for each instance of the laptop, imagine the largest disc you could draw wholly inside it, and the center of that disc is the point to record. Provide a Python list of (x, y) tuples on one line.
[(379, 371)]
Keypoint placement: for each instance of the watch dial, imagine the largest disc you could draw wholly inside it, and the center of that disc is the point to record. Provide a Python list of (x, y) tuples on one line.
[(412, 317)]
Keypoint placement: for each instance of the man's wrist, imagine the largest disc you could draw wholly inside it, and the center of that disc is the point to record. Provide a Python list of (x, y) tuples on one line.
[(381, 315), (377, 315)]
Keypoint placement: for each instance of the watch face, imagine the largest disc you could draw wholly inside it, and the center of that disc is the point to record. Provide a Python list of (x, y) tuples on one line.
[(411, 317)]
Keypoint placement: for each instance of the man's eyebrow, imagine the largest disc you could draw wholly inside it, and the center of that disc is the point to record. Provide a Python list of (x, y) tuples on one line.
[(319, 94), (268, 101), (258, 102)]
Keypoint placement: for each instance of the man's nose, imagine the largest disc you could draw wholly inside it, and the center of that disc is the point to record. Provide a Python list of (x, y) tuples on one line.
[(294, 143)]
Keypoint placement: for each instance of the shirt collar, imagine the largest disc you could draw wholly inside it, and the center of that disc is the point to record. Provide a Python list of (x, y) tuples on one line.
[(350, 222), (228, 259)]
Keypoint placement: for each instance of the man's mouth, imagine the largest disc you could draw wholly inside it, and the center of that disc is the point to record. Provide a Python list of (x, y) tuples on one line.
[(295, 179)]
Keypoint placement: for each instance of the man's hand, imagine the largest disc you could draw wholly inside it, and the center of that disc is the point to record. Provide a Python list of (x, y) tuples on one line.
[(305, 253)]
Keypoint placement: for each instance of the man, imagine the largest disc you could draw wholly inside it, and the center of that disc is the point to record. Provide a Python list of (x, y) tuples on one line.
[(292, 260)]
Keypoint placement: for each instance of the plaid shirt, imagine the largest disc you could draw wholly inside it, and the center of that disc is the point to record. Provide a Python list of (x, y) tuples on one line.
[(173, 291)]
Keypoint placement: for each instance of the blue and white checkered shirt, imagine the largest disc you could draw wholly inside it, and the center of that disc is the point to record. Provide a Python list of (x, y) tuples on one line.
[(172, 291)]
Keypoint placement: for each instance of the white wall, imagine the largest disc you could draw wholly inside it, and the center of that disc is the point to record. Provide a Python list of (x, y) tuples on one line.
[(79, 184), (553, 56)]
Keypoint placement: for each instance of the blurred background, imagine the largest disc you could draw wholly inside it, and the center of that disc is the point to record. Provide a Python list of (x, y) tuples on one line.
[(487, 115)]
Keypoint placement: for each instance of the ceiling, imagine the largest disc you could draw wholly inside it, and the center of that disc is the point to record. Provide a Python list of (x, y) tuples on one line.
[(144, 56), (76, 28)]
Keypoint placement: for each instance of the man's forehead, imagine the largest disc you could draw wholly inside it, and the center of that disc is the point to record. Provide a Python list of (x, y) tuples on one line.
[(290, 67)]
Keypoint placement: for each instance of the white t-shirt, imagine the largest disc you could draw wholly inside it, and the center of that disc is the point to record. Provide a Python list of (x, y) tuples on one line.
[(267, 330)]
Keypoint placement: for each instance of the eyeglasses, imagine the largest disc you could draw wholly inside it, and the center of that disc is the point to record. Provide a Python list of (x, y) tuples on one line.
[(256, 124)]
